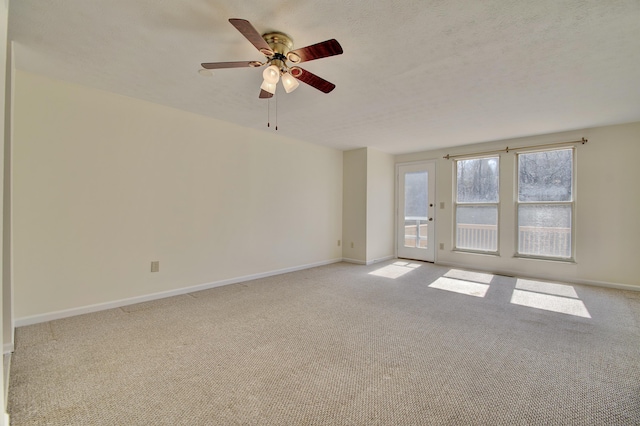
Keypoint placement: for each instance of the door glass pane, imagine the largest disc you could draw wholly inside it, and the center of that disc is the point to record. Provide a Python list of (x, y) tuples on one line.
[(477, 228), (416, 195), (545, 176), (544, 230), (415, 232)]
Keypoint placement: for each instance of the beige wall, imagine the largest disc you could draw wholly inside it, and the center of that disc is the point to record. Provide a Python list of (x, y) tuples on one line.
[(5, 294), (380, 205), (368, 205), (7, 243), (354, 206), (104, 184), (607, 208)]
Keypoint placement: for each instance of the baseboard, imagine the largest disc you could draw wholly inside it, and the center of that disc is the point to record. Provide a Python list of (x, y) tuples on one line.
[(382, 259), (8, 348), (356, 261), (367, 262), (50, 316), (545, 277), (618, 286)]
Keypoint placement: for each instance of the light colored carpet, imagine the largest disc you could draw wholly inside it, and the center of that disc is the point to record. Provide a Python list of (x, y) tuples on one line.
[(340, 345)]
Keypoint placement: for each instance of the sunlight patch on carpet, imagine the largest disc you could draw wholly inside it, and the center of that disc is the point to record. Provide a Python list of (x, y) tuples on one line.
[(547, 288), (551, 303), (460, 286), (477, 277), (395, 270)]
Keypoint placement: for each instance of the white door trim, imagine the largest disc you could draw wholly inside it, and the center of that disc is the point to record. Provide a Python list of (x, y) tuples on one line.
[(397, 202)]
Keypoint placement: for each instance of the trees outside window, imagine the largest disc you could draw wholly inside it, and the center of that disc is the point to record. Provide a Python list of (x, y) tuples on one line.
[(545, 203), (477, 200)]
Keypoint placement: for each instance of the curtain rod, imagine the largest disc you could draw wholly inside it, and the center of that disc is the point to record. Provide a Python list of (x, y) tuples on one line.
[(448, 157)]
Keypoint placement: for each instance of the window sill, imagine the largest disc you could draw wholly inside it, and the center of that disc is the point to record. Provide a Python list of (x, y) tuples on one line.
[(484, 253), (548, 259)]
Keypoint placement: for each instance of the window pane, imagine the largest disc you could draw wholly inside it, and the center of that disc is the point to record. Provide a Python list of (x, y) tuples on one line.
[(544, 230), (478, 180), (477, 228), (545, 176), (415, 194)]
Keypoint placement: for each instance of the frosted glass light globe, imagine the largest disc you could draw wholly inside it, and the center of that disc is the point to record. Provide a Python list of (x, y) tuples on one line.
[(266, 86), (289, 82), (271, 74)]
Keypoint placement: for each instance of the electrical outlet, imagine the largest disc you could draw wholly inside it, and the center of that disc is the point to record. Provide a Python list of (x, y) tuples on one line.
[(441, 246), (339, 243), (351, 244), (155, 266)]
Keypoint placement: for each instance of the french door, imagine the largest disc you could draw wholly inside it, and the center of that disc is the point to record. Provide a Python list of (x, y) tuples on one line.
[(416, 212)]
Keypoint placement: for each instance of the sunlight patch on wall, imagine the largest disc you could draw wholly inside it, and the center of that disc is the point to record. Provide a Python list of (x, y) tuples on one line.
[(395, 270), (459, 286), (550, 302)]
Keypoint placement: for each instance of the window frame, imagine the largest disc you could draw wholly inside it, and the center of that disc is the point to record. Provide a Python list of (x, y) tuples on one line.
[(572, 204), (456, 204)]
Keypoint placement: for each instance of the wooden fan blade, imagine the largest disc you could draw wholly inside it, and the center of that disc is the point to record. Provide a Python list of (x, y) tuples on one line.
[(218, 65), (264, 94), (252, 35), (315, 51), (312, 80)]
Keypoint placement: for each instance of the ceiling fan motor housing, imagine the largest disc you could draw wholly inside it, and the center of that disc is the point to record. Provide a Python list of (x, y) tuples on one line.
[(281, 44)]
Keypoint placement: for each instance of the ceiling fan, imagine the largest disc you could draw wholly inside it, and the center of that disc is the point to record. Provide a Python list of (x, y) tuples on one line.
[(278, 49)]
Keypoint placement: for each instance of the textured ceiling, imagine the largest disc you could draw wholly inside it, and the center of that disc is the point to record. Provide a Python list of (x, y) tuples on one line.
[(415, 74)]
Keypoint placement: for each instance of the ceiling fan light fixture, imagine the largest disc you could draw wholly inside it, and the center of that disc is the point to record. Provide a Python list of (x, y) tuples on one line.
[(205, 72), (268, 87), (271, 74), (289, 82), (277, 47), (294, 57), (266, 52)]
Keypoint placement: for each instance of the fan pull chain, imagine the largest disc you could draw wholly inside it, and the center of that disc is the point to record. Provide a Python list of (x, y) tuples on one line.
[(269, 112)]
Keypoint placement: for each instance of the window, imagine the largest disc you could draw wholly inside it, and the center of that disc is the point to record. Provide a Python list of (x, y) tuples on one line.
[(545, 204), (476, 209)]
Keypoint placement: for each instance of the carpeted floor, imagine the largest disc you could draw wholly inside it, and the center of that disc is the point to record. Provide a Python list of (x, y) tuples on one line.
[(392, 344)]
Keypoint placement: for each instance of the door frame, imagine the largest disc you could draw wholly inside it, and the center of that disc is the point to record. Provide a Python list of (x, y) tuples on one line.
[(397, 203)]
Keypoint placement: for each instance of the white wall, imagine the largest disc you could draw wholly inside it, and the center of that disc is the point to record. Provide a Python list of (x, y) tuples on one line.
[(368, 205), (5, 295), (7, 239), (104, 184), (380, 205), (354, 206), (607, 208)]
